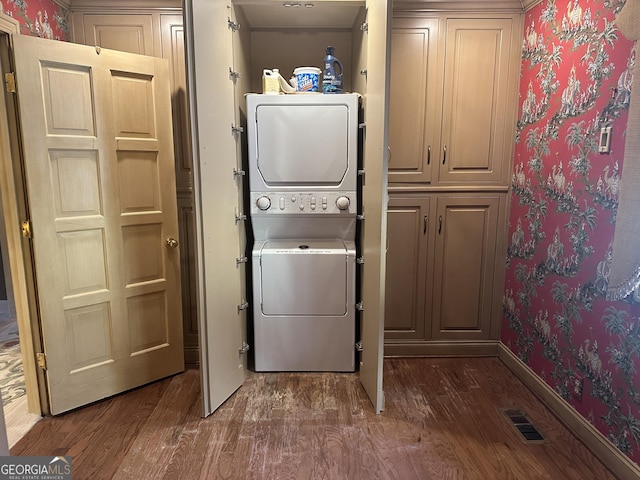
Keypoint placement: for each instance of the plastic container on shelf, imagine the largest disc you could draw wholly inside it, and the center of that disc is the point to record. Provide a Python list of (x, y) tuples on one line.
[(332, 73), (307, 79), (271, 81)]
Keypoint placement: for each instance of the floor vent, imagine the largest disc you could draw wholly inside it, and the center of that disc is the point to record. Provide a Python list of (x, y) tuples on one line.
[(523, 425)]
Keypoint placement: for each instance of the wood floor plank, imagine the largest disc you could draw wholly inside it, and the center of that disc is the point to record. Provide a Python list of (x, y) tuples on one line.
[(151, 451), (444, 419)]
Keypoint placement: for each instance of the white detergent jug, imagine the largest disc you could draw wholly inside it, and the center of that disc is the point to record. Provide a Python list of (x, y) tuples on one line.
[(271, 81)]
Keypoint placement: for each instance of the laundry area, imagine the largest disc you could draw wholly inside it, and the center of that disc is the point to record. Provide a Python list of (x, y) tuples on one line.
[(303, 200), (289, 124)]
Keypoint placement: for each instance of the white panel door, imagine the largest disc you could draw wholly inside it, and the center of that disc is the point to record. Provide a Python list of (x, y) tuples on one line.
[(98, 156), (220, 224), (374, 199)]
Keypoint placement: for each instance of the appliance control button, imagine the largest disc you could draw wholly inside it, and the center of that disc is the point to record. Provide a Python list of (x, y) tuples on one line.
[(313, 206), (263, 203), (293, 199), (301, 206), (281, 203), (343, 203)]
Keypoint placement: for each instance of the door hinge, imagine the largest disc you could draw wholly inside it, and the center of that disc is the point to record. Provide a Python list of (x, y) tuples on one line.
[(359, 346), (233, 26), (10, 82), (244, 348), (243, 306), (25, 227), (42, 360)]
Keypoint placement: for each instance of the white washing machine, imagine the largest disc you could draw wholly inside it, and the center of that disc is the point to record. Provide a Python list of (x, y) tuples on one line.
[(304, 297), (302, 178)]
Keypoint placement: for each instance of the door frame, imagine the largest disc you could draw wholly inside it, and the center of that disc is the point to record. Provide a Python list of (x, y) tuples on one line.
[(13, 197)]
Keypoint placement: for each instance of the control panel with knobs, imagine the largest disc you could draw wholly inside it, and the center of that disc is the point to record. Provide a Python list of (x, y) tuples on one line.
[(303, 202)]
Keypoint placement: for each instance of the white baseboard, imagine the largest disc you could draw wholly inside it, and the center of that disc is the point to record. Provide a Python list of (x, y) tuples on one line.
[(616, 461)]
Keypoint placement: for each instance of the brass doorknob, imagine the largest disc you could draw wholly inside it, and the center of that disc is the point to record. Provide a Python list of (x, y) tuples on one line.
[(171, 242)]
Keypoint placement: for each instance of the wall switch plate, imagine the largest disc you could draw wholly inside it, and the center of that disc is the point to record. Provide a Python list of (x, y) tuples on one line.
[(604, 143)]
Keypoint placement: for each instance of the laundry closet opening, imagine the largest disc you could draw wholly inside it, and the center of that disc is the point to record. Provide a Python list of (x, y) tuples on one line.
[(302, 200), (228, 47)]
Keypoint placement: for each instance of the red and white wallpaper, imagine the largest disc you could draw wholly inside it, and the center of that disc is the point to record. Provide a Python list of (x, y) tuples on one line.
[(40, 18), (575, 81)]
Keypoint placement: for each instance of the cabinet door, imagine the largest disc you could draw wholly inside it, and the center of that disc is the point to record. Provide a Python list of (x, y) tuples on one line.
[(407, 270), (131, 33), (478, 101), (412, 124), (466, 230)]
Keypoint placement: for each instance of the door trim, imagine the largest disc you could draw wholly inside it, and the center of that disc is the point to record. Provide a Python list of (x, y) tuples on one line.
[(19, 256)]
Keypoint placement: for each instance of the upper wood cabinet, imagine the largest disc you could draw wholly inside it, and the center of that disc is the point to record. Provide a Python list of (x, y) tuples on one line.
[(413, 127), (454, 109), (131, 33)]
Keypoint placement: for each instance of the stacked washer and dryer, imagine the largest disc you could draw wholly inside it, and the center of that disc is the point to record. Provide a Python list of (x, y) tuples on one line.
[(303, 160)]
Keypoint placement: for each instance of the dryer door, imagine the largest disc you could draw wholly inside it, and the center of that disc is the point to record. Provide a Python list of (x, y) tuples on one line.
[(303, 144), (304, 278)]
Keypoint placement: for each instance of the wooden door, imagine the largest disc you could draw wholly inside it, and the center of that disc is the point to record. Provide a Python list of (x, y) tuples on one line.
[(406, 299), (466, 229), (98, 159), (477, 107), (413, 129)]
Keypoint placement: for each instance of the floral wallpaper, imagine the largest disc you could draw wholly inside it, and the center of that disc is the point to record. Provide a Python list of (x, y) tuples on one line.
[(575, 81), (40, 18)]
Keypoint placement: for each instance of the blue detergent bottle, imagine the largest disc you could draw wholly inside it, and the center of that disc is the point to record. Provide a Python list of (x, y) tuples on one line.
[(331, 73)]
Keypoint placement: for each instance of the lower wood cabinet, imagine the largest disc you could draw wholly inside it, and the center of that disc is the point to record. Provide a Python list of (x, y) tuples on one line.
[(445, 272), (409, 264)]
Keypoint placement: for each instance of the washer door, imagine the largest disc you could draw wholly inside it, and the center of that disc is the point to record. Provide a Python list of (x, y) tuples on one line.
[(304, 278)]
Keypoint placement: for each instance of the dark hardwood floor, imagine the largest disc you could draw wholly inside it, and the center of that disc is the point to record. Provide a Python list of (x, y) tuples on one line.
[(444, 419)]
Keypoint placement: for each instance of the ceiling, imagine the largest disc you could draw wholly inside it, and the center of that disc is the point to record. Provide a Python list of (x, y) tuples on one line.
[(301, 14)]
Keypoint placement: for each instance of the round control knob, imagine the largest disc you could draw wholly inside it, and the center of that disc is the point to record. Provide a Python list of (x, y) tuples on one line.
[(263, 203), (343, 203)]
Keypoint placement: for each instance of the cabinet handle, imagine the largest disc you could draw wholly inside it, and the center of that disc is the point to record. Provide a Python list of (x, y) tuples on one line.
[(429, 155), (440, 225), (424, 228), (444, 156), (389, 149)]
